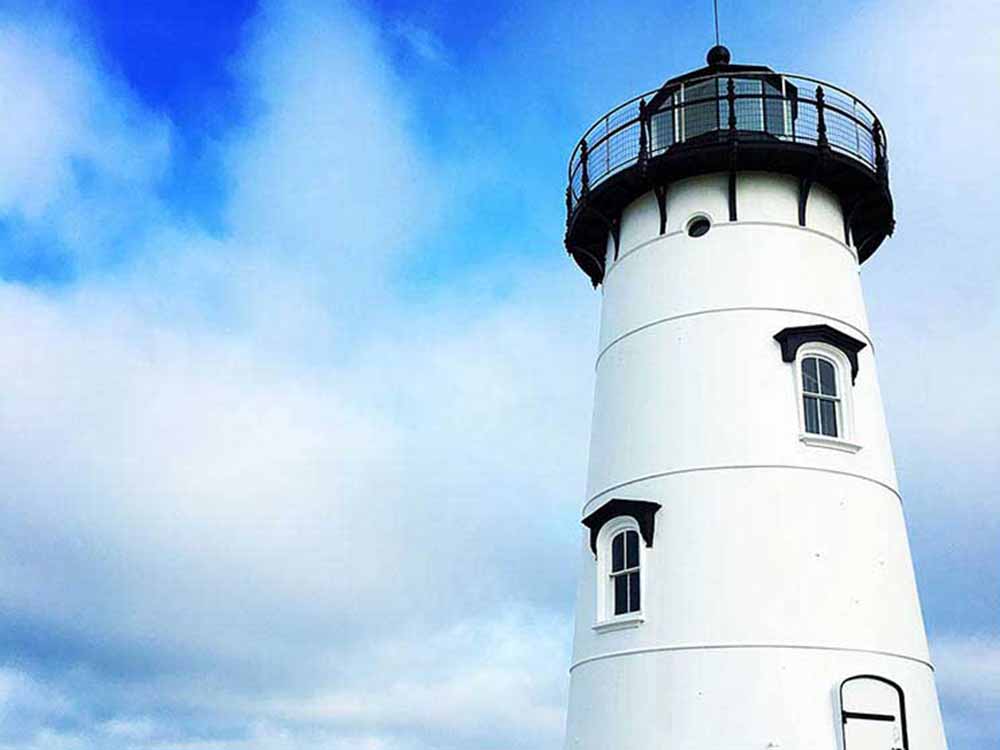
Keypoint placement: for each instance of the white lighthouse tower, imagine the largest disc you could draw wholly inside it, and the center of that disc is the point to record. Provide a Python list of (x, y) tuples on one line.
[(746, 579)]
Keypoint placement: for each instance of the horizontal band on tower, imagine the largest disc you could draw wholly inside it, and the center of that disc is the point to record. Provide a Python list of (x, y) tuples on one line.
[(713, 311), (726, 646), (659, 238), (730, 467)]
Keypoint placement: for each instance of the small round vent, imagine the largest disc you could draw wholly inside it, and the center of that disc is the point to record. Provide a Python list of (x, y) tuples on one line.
[(698, 226)]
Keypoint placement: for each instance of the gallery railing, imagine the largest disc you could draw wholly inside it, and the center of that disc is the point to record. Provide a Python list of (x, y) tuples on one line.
[(742, 107)]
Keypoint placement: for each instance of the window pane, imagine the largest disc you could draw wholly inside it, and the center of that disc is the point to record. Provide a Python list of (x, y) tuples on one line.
[(621, 594), (828, 411), (810, 381), (702, 116), (662, 126), (774, 110), (749, 115), (618, 553), (633, 592), (748, 111), (827, 378), (631, 549), (812, 414)]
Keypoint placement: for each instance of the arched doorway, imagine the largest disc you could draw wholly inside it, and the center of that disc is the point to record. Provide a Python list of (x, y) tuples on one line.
[(873, 713)]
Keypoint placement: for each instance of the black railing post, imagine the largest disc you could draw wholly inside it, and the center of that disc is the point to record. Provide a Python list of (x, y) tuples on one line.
[(821, 139), (643, 143), (584, 176), (881, 163), (763, 105), (569, 204), (607, 144), (731, 98), (857, 128), (733, 147)]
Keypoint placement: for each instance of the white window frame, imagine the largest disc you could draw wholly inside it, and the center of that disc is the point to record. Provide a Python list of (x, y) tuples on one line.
[(606, 619), (846, 439)]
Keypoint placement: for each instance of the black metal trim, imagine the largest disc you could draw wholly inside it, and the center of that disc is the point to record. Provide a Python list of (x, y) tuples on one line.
[(805, 185), (845, 715), (792, 338), (733, 146), (822, 141), (591, 265), (809, 179), (643, 136), (643, 511), (660, 191), (847, 210), (613, 225), (731, 193)]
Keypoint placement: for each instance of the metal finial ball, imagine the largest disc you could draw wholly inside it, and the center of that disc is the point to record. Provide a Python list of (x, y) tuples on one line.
[(718, 55)]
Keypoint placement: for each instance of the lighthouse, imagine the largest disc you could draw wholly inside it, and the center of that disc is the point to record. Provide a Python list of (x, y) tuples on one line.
[(745, 576)]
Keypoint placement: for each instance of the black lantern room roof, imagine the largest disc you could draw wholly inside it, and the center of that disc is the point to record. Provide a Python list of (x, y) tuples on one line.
[(728, 118)]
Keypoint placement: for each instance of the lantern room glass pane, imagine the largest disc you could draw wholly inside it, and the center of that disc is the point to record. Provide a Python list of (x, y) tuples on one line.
[(774, 109), (748, 110), (703, 115), (662, 130)]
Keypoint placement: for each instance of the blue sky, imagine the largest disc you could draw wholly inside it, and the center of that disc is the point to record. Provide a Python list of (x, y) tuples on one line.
[(288, 335)]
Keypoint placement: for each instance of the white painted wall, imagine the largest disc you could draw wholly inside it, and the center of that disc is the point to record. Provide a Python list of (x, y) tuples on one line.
[(778, 568), (732, 699)]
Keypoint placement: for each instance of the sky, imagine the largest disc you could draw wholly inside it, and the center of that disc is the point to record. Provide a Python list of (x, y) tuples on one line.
[(296, 377)]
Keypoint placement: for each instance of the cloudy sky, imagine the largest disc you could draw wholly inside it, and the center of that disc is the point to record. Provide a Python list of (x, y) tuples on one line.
[(295, 376)]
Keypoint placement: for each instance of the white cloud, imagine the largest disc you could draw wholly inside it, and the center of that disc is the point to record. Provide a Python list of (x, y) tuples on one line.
[(422, 41), (968, 678), (332, 125), (221, 509), (969, 668), (79, 162)]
